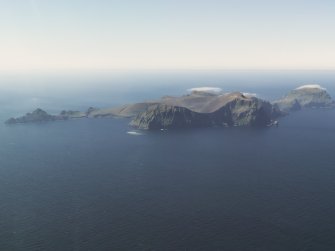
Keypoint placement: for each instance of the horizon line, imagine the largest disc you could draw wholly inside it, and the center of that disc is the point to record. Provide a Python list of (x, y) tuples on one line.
[(123, 70)]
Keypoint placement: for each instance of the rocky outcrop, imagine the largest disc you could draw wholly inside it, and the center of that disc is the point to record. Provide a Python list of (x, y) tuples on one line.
[(36, 116), (307, 96), (40, 115), (225, 110)]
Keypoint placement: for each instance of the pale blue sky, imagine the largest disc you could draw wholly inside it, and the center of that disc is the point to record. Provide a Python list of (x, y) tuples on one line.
[(44, 35)]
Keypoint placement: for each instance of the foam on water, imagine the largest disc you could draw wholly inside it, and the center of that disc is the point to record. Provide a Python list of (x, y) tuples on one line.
[(134, 133)]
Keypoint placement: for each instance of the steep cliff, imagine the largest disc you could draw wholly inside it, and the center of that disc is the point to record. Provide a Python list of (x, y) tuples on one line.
[(161, 116), (227, 110)]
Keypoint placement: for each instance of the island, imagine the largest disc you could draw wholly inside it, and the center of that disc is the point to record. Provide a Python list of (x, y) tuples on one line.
[(306, 96), (204, 110), (40, 115), (202, 107)]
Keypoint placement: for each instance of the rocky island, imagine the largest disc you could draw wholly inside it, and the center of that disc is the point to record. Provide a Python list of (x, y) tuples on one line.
[(40, 115), (200, 108), (203, 110), (306, 96), (36, 116)]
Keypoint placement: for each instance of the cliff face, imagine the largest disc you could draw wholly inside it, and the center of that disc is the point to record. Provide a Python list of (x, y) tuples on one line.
[(309, 96), (232, 110), (161, 116), (243, 111)]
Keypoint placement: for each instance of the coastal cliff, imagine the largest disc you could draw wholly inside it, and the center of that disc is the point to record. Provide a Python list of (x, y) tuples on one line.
[(224, 110), (162, 116)]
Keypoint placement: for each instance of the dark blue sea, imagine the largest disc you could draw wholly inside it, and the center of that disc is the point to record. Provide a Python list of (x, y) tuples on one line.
[(88, 185)]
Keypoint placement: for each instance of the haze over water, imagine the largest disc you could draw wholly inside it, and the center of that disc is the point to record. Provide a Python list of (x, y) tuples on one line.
[(88, 185)]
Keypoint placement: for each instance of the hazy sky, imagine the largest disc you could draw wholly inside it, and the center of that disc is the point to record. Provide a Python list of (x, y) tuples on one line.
[(43, 35)]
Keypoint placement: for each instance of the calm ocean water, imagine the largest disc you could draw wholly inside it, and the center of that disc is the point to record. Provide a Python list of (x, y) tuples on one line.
[(88, 185)]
